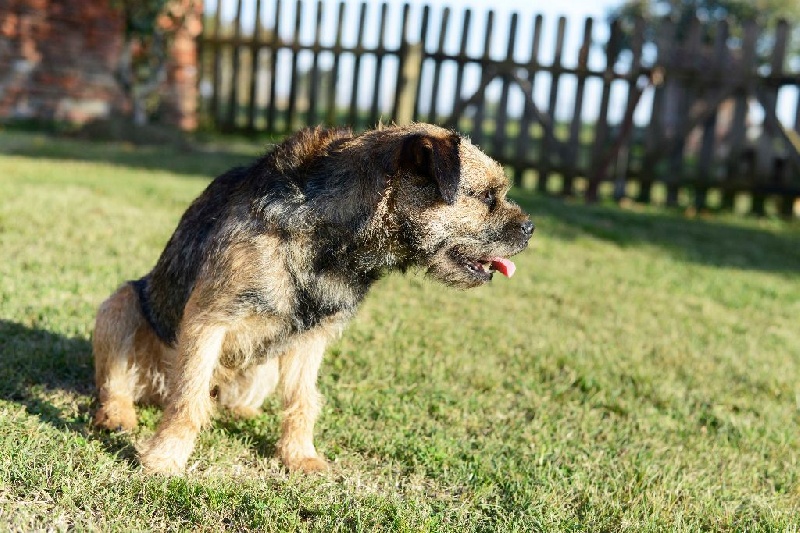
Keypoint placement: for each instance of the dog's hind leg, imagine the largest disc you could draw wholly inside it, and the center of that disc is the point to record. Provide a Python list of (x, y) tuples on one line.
[(113, 345), (245, 394)]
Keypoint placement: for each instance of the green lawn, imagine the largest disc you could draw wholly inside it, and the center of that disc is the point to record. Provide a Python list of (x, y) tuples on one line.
[(640, 372)]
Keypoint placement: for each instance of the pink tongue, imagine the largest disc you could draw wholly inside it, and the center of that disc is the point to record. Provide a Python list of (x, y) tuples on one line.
[(504, 266)]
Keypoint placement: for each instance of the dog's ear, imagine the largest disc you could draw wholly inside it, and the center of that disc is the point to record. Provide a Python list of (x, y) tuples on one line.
[(435, 158)]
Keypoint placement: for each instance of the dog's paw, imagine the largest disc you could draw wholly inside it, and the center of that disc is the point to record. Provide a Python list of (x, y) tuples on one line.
[(307, 465), (116, 416), (164, 456), (155, 464)]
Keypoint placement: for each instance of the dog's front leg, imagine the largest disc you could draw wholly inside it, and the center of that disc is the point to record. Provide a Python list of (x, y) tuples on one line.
[(189, 405), (298, 378)]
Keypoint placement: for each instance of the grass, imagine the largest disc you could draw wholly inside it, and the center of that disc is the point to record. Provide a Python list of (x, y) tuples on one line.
[(640, 372)]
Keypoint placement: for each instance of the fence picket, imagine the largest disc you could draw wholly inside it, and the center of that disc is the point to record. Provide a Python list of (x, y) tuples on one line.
[(362, 17), (655, 133), (233, 100), (740, 161), (797, 113), (273, 77), (546, 156), (255, 50), (462, 53), (622, 159), (521, 160), (601, 126), (766, 158), (403, 54), (216, 48), (313, 81), (380, 52), (480, 108), (704, 171), (684, 58), (571, 166), (337, 53), (423, 38), (437, 70), (502, 106), (293, 80)]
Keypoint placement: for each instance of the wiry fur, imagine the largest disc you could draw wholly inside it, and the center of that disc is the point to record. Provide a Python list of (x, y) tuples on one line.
[(268, 264)]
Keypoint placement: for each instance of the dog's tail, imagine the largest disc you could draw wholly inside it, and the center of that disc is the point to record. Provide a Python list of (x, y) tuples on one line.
[(162, 331)]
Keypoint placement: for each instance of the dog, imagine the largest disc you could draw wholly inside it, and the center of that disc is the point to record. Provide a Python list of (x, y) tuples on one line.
[(270, 262)]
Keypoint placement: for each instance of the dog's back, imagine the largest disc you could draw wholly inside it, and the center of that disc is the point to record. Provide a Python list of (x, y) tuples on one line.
[(234, 206)]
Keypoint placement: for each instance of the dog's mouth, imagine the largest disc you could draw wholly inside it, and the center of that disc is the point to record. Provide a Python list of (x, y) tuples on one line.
[(485, 267)]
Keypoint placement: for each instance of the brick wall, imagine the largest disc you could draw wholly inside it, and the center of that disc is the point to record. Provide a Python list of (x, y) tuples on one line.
[(58, 57)]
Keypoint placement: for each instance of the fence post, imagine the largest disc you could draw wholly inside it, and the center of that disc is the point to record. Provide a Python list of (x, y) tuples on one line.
[(437, 71), (500, 133), (601, 126), (549, 134), (379, 54), (703, 175), (524, 140), (254, 53), (233, 96), (408, 79), (401, 58), (738, 158), (476, 132), (291, 106), (462, 52), (273, 76), (571, 166), (423, 37), (768, 157), (331, 118), (216, 75), (314, 80), (791, 202)]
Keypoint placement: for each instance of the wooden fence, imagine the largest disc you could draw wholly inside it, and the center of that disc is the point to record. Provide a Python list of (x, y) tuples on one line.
[(684, 132)]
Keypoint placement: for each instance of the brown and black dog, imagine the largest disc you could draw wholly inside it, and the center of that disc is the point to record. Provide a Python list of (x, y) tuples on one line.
[(271, 261)]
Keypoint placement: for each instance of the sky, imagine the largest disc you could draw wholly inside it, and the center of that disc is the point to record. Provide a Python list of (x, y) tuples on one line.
[(576, 11)]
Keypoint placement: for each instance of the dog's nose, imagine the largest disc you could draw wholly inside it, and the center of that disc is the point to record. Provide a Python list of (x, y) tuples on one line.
[(527, 229)]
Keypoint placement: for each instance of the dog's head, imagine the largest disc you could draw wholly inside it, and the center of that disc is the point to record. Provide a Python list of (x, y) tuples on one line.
[(451, 204)]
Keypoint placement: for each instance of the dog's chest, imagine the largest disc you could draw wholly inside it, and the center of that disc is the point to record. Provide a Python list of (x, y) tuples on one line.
[(322, 295), (305, 301), (319, 302)]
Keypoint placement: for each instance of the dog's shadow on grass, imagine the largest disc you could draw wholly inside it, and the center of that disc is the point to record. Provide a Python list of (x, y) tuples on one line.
[(52, 376)]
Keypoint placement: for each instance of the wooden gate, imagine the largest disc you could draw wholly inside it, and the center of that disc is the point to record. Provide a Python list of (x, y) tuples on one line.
[(692, 148)]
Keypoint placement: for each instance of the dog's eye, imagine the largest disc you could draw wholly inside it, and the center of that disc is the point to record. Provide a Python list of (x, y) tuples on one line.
[(489, 198)]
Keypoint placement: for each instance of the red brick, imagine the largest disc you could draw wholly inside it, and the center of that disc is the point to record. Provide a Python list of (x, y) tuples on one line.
[(72, 48)]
